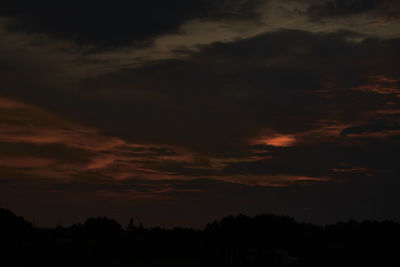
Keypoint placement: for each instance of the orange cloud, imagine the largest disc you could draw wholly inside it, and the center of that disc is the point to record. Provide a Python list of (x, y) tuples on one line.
[(389, 111), (327, 129), (116, 160), (280, 180), (109, 156), (381, 85), (366, 171), (283, 141), (275, 140)]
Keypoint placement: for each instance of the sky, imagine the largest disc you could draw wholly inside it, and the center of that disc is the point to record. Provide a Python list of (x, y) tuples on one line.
[(177, 113)]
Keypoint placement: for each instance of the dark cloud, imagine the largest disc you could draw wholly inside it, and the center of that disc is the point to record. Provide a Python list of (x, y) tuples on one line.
[(341, 8), (275, 80), (286, 81), (372, 127), (109, 24)]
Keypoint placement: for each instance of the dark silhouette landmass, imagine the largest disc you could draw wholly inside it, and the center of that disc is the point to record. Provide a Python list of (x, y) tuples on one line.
[(235, 241)]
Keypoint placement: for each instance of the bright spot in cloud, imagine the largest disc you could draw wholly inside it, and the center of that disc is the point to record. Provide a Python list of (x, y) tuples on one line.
[(278, 140)]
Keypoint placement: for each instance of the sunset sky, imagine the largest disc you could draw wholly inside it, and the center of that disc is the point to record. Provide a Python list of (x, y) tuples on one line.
[(180, 112)]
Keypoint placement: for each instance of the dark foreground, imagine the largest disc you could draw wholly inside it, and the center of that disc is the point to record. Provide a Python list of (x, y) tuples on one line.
[(264, 240)]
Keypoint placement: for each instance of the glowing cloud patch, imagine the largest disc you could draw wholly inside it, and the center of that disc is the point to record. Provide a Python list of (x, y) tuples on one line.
[(279, 140)]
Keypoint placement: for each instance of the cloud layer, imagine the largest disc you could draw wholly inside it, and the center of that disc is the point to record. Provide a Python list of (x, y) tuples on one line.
[(121, 23)]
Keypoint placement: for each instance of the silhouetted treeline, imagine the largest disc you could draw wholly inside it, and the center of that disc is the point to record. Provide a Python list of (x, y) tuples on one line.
[(235, 241)]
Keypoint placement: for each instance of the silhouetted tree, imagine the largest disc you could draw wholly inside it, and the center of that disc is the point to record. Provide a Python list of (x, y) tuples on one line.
[(235, 241), (130, 226)]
